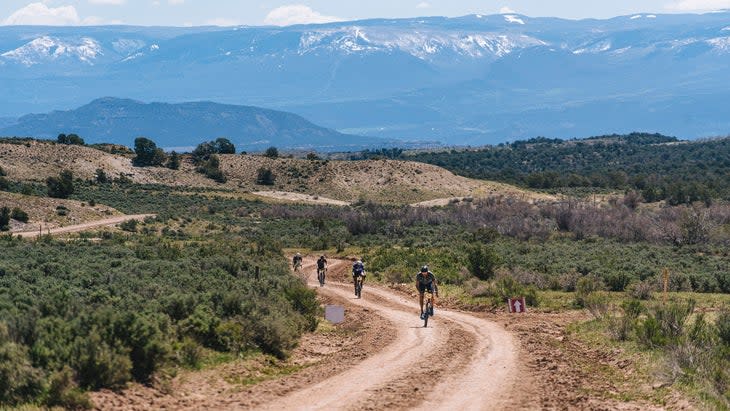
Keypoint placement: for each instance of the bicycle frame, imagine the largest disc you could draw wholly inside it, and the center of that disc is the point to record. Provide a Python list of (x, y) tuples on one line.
[(428, 307), (358, 285)]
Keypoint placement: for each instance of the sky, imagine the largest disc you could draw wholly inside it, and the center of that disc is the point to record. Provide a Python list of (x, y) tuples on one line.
[(281, 13)]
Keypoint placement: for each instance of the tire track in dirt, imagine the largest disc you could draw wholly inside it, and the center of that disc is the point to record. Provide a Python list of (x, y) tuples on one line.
[(467, 361)]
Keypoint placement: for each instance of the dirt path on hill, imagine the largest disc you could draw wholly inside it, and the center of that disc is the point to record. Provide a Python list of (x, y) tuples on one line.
[(459, 362), (81, 227)]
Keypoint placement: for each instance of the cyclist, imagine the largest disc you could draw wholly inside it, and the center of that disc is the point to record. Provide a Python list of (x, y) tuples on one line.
[(358, 270), (322, 267), (297, 261), (425, 280)]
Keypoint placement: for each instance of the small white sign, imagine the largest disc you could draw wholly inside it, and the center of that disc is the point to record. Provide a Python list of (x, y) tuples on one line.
[(334, 313)]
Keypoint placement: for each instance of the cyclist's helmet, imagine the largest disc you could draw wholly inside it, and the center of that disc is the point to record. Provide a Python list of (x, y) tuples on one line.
[(321, 256), (424, 269), (299, 255), (359, 262)]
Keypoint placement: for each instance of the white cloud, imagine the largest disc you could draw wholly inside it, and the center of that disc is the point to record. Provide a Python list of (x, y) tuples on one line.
[(423, 5), (111, 2), (40, 14), (506, 10), (296, 14), (699, 5)]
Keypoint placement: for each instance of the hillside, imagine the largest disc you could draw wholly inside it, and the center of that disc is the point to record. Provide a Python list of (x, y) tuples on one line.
[(388, 181), (183, 125), (660, 167), (43, 212)]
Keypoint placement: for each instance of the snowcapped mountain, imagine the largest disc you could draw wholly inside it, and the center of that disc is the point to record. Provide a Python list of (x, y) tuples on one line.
[(473, 79)]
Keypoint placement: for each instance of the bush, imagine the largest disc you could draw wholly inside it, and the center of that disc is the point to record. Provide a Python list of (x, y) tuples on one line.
[(129, 225), (586, 286), (173, 162), (61, 186), (19, 381), (64, 392), (71, 139), (723, 326), (621, 327), (482, 260), (101, 176), (98, 364), (641, 290), (271, 152), (4, 219), (147, 153), (19, 215), (264, 176)]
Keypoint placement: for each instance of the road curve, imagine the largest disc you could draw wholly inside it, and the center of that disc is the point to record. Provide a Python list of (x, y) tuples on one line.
[(460, 362)]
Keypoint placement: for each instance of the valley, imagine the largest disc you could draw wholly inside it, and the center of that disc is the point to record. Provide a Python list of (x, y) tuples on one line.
[(194, 306)]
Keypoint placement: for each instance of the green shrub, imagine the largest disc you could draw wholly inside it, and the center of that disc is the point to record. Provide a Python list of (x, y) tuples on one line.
[(129, 225), (649, 333), (190, 353), (61, 186), (585, 286), (598, 304), (271, 152), (64, 392), (723, 326), (19, 215), (234, 336), (4, 219), (264, 176), (482, 260), (19, 381), (98, 364)]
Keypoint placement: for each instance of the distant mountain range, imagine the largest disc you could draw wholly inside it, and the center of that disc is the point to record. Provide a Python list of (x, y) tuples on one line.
[(185, 125), (469, 80)]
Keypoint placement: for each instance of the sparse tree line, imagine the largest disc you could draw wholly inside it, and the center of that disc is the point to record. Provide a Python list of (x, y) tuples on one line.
[(656, 166)]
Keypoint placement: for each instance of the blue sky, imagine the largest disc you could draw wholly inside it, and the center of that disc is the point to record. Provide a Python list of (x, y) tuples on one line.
[(260, 12)]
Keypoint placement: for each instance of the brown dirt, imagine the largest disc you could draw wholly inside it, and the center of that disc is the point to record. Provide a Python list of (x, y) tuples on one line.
[(43, 213), (386, 181)]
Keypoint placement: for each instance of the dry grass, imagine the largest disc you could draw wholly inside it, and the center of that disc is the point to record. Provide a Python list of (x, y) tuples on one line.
[(385, 181), (43, 211)]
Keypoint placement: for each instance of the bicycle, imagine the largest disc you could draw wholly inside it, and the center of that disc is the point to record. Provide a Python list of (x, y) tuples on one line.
[(321, 272), (358, 285), (428, 308)]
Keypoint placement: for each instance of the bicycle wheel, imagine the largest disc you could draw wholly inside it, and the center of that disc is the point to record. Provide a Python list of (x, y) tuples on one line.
[(428, 310)]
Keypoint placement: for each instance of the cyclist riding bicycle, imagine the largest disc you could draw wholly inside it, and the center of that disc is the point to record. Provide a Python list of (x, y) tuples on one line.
[(358, 270), (425, 280), (296, 261), (321, 268)]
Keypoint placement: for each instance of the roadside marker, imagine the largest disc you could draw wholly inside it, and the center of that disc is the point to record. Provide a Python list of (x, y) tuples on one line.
[(517, 305)]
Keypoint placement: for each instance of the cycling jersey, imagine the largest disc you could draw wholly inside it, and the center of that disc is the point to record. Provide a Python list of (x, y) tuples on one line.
[(426, 282)]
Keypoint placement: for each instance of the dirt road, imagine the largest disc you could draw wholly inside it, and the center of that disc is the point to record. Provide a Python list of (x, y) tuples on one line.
[(460, 362), (82, 227)]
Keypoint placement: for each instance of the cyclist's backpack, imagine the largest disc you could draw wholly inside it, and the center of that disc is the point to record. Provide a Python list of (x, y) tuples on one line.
[(358, 268)]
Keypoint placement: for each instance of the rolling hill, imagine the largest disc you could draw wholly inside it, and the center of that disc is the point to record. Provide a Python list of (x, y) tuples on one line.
[(387, 181), (182, 126)]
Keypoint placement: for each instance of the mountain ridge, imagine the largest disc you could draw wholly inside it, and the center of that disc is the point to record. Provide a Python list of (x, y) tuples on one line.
[(469, 80), (120, 121)]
